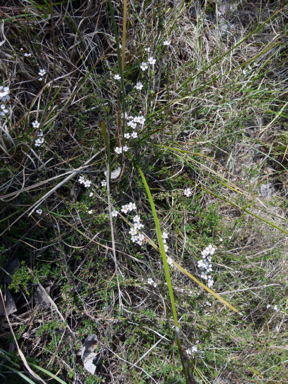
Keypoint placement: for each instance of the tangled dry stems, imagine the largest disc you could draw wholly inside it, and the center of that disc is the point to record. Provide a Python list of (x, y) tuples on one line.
[(219, 116)]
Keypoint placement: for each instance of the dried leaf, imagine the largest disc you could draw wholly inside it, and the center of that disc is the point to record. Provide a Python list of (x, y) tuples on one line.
[(87, 353), (115, 173)]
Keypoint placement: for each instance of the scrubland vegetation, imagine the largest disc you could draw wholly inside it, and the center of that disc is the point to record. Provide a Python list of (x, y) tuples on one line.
[(143, 191)]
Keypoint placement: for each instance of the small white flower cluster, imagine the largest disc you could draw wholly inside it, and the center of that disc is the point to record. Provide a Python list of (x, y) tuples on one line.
[(136, 236), (193, 349), (151, 282), (187, 192), (120, 150), (103, 183), (4, 96), (170, 261), (41, 73), (166, 43), (128, 208), (4, 93), (85, 182), (4, 110), (134, 135), (150, 60), (39, 211), (205, 265), (275, 307), (40, 139), (132, 123), (164, 238), (117, 77)]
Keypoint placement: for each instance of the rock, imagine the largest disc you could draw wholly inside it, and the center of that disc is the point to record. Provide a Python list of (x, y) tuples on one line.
[(41, 298)]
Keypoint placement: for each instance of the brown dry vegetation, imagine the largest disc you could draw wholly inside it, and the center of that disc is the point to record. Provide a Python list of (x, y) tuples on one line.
[(215, 106)]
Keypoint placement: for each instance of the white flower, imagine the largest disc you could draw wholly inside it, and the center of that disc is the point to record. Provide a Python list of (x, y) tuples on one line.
[(201, 263), (118, 150), (35, 124), (132, 206), (127, 135), (139, 86), (39, 141), (147, 49), (133, 231), (90, 212), (192, 350), (144, 66), (81, 179), (90, 194), (134, 135), (125, 148), (4, 110), (103, 183), (166, 42), (117, 77), (114, 213), (141, 120), (40, 133), (138, 226), (136, 219), (131, 124), (27, 54), (275, 308), (187, 192), (210, 283), (42, 72), (140, 242), (4, 93), (151, 60), (87, 183), (39, 211), (170, 261), (152, 282), (125, 209), (220, 239), (165, 235), (268, 306), (166, 247)]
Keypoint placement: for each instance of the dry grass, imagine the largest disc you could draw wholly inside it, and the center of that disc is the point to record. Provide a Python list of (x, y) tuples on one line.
[(216, 119)]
